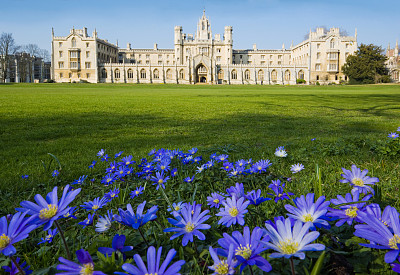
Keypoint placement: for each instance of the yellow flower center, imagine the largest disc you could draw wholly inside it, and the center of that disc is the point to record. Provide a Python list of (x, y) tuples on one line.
[(49, 212), (259, 167), (177, 208), (4, 241), (288, 247), (189, 227), (357, 182), (245, 252), (162, 167), (48, 237), (233, 212), (121, 172), (67, 215), (151, 273), (222, 268), (95, 207), (351, 212), (308, 218), (137, 192), (112, 195), (87, 269), (392, 242), (216, 200), (108, 180), (160, 181)]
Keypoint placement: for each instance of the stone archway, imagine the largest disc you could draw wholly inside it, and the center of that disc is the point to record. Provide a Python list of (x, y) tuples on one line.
[(201, 74)]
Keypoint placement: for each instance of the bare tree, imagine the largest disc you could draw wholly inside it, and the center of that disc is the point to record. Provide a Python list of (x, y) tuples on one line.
[(7, 48), (32, 49)]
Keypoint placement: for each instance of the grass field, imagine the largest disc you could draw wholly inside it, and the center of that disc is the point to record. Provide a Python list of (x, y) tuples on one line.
[(74, 121)]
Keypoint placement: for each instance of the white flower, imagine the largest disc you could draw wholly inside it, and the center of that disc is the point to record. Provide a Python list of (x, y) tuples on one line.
[(296, 168)]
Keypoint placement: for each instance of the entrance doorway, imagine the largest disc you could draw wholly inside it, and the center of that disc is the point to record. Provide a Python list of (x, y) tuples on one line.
[(201, 74)]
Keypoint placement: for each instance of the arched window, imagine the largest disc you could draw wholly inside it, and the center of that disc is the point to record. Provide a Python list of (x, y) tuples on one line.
[(317, 78), (332, 44), (287, 75), (247, 74), (73, 42), (130, 73), (234, 74), (221, 74), (117, 74), (156, 74), (169, 74), (142, 73), (181, 74), (301, 75), (274, 75), (104, 73), (261, 75)]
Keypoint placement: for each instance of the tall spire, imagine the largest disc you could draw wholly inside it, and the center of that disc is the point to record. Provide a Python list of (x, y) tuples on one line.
[(397, 43)]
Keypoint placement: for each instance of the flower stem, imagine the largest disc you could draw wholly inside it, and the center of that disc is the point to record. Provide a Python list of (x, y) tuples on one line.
[(63, 238), (292, 266), (251, 270), (20, 270), (140, 231)]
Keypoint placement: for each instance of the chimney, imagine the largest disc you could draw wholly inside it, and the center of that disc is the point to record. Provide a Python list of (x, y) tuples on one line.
[(128, 46), (254, 47), (155, 46)]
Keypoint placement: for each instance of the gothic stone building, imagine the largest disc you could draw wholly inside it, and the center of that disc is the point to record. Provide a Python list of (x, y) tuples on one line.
[(201, 58), (393, 62)]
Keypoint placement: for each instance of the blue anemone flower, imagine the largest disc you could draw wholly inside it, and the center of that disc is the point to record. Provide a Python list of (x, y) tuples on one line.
[(137, 192), (393, 135), (104, 222), (159, 179), (153, 264), (233, 211), (17, 230), (117, 155), (308, 211), (174, 172), (291, 241), (93, 164), (176, 207), (70, 213), (112, 194), (223, 267), (255, 198), (50, 235), (237, 190), (188, 223), (105, 158), (280, 194), (108, 179), (127, 161), (189, 179), (116, 246), (13, 270), (280, 152), (295, 168), (128, 217), (25, 177), (55, 173), (88, 221), (359, 180), (260, 166), (81, 180), (51, 209), (95, 205), (72, 268), (221, 158), (101, 153), (247, 247), (215, 200)]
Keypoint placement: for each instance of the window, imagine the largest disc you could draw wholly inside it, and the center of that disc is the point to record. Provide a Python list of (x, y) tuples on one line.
[(104, 73), (142, 73), (332, 44), (318, 55), (287, 75), (79, 75), (332, 67), (74, 54), (221, 74), (181, 74), (274, 75), (87, 54), (270, 63), (218, 59), (87, 45), (317, 67), (61, 75), (130, 74), (167, 62), (234, 74), (87, 65), (87, 75), (60, 53), (117, 74), (159, 62), (336, 77), (279, 62), (247, 74), (263, 57), (60, 44), (301, 74), (260, 75), (156, 74), (318, 45), (147, 56), (159, 56), (347, 45), (70, 75), (139, 62), (147, 62), (270, 56), (218, 50), (73, 42), (317, 77), (279, 57), (73, 65), (60, 65), (262, 62), (169, 74)]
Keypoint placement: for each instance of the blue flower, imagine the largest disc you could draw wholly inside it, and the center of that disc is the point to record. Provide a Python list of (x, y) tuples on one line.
[(237, 190), (25, 177), (375, 210), (112, 168), (95, 205), (174, 172), (295, 168), (381, 235), (159, 179), (280, 152), (241, 163), (116, 246), (223, 267), (393, 135), (347, 213), (80, 180), (215, 200), (255, 198), (101, 153), (279, 218), (117, 155), (72, 268), (222, 158), (153, 264), (104, 222), (55, 173), (188, 223), (189, 179), (291, 241), (112, 194), (129, 217), (280, 194), (17, 230), (308, 211), (260, 166), (121, 172), (176, 207), (247, 247), (93, 164), (105, 158), (137, 192), (108, 179), (233, 211), (51, 209), (227, 166), (193, 151), (14, 269), (358, 180), (70, 213), (88, 221), (50, 235), (209, 163)]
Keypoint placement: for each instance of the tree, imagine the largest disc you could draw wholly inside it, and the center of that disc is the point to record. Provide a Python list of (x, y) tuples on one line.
[(366, 66), (7, 48)]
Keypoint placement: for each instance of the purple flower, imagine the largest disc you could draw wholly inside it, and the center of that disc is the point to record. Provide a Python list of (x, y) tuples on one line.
[(104, 222), (136, 220), (95, 205), (188, 223), (255, 198), (50, 235), (153, 264), (215, 200), (55, 173), (80, 180), (127, 161), (222, 158), (105, 158), (260, 166), (174, 172), (112, 194), (189, 179), (159, 179), (223, 267), (108, 179), (112, 168), (280, 152), (280, 194), (88, 221), (93, 164), (227, 166), (51, 209), (295, 168), (176, 207), (117, 155), (393, 135), (72, 268), (116, 246), (101, 153), (14, 269), (137, 192), (237, 190), (233, 211), (358, 180)]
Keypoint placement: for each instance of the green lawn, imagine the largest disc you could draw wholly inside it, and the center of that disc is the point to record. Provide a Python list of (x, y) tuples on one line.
[(74, 121)]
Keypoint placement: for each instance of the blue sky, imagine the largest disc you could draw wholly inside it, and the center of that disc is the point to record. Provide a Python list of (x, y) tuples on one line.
[(268, 23)]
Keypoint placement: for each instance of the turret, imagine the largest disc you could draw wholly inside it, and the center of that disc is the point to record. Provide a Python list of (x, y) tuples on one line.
[(203, 28), (396, 49), (178, 35), (228, 35)]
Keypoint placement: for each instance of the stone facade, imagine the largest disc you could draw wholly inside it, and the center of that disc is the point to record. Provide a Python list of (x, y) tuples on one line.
[(23, 67), (393, 63), (202, 58)]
